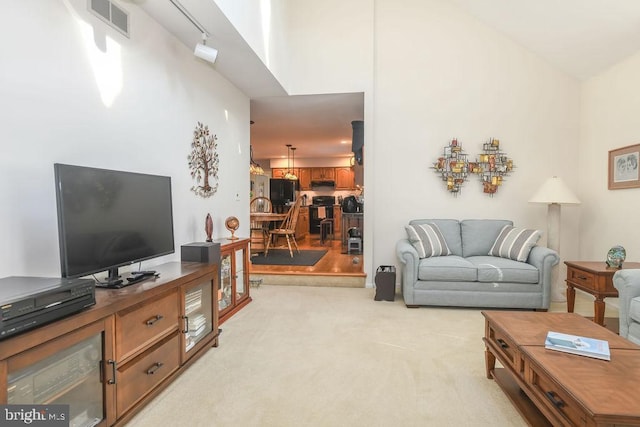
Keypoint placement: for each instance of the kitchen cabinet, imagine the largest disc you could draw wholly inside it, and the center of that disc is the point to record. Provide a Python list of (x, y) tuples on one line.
[(234, 277), (323, 174), (281, 172), (304, 176), (107, 361), (345, 178), (337, 221), (302, 226), (278, 173)]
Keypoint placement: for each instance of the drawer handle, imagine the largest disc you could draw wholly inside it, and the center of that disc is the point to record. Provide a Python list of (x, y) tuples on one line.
[(114, 368), (582, 277), (152, 370), (553, 397), (502, 343), (154, 319)]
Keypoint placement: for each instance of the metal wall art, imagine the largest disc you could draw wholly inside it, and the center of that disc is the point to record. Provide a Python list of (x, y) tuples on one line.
[(204, 161), (492, 166), (453, 167)]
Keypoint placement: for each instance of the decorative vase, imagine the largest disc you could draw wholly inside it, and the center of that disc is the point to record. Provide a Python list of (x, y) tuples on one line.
[(208, 227)]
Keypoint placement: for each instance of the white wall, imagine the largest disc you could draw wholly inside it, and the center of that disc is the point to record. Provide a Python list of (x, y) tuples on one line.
[(263, 25), (58, 63), (610, 105), (431, 72), (440, 74)]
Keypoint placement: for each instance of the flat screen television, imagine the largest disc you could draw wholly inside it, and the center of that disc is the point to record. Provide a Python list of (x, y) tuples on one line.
[(108, 219)]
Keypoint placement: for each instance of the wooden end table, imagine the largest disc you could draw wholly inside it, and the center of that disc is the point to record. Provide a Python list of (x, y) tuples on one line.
[(595, 278)]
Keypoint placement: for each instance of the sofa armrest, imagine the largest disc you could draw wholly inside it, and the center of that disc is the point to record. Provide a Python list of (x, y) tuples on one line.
[(627, 282), (544, 259), (408, 257)]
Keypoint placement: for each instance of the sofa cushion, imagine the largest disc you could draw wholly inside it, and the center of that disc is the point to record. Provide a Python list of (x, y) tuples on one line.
[(514, 243), (634, 309), (500, 270), (450, 229), (447, 268), (428, 240), (479, 234)]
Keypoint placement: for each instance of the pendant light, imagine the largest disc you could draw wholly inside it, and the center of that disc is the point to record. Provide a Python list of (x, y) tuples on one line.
[(290, 175), (254, 167)]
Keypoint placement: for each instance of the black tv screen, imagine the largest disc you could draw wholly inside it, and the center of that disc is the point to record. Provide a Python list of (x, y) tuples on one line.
[(108, 218)]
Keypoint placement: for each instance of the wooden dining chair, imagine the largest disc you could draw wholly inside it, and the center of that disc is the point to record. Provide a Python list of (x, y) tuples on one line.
[(259, 229), (287, 228)]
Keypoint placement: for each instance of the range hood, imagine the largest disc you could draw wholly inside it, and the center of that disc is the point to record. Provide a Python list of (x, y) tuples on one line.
[(323, 183)]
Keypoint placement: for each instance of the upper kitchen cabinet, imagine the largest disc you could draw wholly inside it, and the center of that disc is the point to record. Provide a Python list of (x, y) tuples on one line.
[(345, 178), (304, 176), (323, 174)]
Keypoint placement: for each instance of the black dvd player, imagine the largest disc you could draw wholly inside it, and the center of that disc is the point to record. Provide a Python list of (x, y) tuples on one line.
[(28, 302)]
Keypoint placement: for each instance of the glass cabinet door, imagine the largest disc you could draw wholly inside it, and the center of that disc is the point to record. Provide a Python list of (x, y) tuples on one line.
[(198, 314), (70, 376), (241, 290), (225, 293)]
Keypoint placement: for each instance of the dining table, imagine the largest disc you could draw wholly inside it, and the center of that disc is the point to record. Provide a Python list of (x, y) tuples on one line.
[(258, 244)]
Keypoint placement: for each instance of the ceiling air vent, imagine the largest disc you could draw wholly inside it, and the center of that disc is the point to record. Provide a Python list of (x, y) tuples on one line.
[(111, 14)]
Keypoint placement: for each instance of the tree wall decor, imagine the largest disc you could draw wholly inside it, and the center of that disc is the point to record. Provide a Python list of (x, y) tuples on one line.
[(204, 161)]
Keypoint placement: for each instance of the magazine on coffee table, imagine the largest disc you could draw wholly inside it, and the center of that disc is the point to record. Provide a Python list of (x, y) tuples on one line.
[(575, 344)]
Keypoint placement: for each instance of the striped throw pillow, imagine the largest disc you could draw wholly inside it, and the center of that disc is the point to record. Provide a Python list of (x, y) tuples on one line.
[(428, 240), (515, 243)]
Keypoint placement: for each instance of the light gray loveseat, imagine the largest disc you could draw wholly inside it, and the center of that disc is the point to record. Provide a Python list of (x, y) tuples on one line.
[(470, 277), (627, 282)]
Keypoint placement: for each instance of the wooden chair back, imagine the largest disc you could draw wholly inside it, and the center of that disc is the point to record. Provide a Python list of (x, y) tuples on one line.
[(290, 221), (259, 204)]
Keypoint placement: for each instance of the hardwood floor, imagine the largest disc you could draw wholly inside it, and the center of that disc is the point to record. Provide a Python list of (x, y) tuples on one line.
[(334, 263)]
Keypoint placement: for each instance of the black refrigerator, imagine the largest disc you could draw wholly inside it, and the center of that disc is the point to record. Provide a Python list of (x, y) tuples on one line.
[(282, 192)]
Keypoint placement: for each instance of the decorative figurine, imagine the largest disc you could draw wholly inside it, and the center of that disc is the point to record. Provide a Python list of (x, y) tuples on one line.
[(208, 227), (616, 256)]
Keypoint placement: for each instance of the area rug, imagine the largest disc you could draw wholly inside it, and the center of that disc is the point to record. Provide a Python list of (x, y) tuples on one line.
[(282, 257)]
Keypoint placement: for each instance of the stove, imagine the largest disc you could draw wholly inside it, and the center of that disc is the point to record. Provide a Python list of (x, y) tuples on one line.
[(321, 208)]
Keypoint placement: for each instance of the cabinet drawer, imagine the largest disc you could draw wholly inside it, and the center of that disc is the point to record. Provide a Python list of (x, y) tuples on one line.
[(580, 277), (506, 350), (142, 325), (559, 402), (145, 372)]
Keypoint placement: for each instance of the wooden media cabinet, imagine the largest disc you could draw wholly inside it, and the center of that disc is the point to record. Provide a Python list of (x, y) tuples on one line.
[(111, 359)]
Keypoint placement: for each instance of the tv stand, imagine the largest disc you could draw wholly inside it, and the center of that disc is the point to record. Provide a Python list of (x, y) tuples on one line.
[(117, 356), (110, 284)]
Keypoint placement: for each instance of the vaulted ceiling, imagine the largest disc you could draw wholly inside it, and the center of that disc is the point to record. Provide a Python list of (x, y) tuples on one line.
[(580, 37)]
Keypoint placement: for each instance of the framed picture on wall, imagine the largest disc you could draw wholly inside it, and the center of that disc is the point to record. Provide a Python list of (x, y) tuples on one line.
[(623, 167)]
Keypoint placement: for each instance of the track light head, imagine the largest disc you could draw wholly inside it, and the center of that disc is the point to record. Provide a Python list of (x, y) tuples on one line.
[(205, 52)]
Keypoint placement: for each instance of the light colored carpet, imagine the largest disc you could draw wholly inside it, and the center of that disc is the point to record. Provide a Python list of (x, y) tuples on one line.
[(318, 356)]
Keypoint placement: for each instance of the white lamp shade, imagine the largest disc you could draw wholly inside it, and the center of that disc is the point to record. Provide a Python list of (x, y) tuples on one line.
[(554, 190), (205, 52)]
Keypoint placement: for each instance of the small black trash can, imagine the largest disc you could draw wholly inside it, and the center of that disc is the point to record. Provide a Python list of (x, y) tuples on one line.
[(385, 283)]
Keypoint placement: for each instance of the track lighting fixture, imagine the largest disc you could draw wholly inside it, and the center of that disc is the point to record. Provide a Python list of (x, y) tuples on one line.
[(201, 50), (205, 52)]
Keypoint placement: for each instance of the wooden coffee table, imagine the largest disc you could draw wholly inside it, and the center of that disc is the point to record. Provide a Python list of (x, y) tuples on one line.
[(554, 388)]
